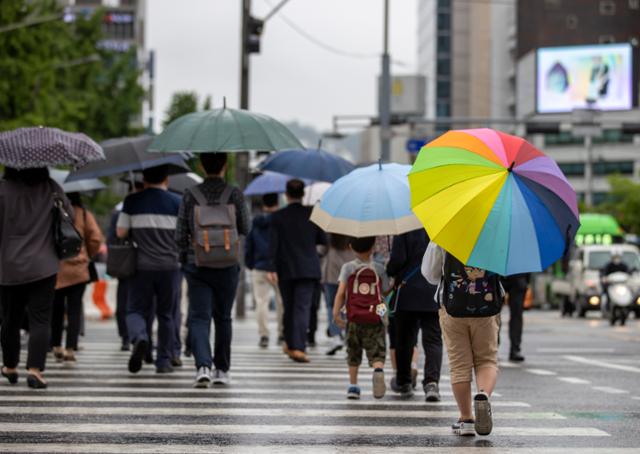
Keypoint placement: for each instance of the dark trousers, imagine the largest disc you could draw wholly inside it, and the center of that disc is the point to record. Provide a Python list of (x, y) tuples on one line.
[(145, 288), (68, 301), (407, 324), (516, 309), (35, 299), (297, 299), (313, 312), (177, 322), (121, 308), (211, 295)]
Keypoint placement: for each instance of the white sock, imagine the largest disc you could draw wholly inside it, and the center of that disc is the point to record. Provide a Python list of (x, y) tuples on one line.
[(414, 365)]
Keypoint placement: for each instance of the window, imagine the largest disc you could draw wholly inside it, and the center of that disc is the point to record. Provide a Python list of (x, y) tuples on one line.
[(599, 198), (444, 21), (613, 167), (607, 7), (443, 66), (443, 89), (443, 109), (634, 4), (572, 168), (444, 44)]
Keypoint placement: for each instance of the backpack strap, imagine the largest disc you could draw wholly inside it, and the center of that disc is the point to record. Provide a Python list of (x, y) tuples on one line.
[(226, 195), (198, 195), (358, 272)]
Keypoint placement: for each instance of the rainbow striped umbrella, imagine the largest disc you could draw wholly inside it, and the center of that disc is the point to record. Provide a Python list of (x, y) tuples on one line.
[(493, 201)]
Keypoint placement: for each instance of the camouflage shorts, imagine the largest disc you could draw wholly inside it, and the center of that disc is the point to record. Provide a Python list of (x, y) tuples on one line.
[(370, 338)]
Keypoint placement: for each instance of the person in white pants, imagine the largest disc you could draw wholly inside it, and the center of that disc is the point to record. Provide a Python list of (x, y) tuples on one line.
[(257, 259)]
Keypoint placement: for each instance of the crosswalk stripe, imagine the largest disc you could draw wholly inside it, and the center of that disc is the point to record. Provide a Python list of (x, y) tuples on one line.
[(208, 398), (160, 448), (610, 390), (605, 364), (262, 412), (540, 372), (305, 430), (574, 380)]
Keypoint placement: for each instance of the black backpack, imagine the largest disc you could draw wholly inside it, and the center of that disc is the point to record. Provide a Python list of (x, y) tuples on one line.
[(469, 291)]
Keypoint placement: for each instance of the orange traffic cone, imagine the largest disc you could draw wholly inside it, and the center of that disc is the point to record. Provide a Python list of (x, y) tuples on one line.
[(100, 299)]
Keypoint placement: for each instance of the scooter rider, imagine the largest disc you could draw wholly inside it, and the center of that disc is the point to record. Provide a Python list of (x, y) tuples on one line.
[(615, 265)]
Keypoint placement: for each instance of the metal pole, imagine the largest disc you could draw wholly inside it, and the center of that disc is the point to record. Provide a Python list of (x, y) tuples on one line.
[(588, 171), (384, 98)]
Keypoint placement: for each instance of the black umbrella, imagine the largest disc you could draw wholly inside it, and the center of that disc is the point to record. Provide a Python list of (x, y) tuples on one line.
[(128, 154), (26, 148)]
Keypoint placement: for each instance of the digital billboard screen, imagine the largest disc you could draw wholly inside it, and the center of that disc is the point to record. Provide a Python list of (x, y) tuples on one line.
[(579, 77)]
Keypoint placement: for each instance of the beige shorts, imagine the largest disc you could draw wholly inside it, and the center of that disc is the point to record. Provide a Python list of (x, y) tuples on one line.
[(472, 343)]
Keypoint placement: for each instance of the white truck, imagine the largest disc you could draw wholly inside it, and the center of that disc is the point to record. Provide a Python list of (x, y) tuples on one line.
[(581, 289)]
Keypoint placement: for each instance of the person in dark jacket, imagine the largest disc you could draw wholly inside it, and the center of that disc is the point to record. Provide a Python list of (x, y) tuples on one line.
[(256, 258), (294, 256), (415, 309), (28, 267)]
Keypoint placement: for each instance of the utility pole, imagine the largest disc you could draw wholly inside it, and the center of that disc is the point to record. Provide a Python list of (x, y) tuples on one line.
[(384, 97), (244, 55)]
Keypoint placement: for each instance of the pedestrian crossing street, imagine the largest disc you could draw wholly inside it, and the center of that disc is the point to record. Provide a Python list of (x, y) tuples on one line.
[(272, 405)]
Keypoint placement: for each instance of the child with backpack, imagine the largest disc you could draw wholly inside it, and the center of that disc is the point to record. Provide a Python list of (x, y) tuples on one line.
[(470, 301), (361, 284)]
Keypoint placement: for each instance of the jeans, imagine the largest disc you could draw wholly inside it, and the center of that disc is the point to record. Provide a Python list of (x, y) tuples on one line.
[(36, 299), (297, 298), (121, 309), (212, 292), (330, 291), (407, 324), (145, 288), (262, 295), (67, 300)]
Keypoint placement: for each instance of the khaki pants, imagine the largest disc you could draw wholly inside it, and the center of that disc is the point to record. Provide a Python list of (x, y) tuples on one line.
[(262, 289), (472, 343)]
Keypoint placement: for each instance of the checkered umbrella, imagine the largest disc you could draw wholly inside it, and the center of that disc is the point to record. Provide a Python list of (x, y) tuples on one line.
[(25, 148)]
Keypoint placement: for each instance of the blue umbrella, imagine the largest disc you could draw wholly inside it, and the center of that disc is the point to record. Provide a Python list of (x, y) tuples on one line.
[(370, 201), (129, 154), (268, 183), (316, 165)]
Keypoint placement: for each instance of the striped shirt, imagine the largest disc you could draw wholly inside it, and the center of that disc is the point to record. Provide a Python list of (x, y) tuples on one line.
[(150, 216)]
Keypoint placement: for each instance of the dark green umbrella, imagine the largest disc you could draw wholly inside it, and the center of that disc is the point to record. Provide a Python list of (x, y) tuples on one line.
[(224, 130)]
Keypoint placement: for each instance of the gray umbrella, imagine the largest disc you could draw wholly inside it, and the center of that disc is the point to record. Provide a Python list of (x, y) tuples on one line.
[(92, 184), (26, 148), (129, 154)]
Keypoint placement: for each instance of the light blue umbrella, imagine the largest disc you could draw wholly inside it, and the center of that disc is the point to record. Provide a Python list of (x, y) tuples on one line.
[(317, 164), (369, 201), (268, 183)]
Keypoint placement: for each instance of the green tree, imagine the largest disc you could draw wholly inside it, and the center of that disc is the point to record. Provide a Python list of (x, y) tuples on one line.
[(55, 74), (207, 103), (182, 103), (624, 203)]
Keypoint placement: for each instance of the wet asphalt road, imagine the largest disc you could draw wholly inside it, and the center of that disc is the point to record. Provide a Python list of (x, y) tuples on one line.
[(578, 391)]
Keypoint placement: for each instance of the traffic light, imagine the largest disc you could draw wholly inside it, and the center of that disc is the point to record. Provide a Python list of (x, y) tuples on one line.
[(254, 31), (543, 128)]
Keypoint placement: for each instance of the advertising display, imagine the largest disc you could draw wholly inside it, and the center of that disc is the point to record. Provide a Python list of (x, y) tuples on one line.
[(580, 77)]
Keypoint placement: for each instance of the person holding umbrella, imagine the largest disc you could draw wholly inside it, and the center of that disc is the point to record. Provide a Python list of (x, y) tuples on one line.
[(29, 259)]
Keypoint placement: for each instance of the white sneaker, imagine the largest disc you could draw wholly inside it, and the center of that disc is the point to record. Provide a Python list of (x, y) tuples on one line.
[(203, 378), (221, 378)]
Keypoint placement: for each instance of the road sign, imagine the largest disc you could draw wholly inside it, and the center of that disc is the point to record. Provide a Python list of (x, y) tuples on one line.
[(414, 145)]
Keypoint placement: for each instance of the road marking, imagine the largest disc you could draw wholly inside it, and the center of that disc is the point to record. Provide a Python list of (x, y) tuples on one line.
[(261, 412), (158, 448), (540, 372), (295, 430), (207, 398), (610, 390), (574, 380), (574, 350), (598, 363)]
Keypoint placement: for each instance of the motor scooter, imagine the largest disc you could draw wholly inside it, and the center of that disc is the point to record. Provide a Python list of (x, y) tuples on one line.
[(618, 297)]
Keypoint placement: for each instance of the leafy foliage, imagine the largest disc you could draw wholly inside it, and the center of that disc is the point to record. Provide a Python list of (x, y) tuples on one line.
[(624, 203), (182, 103)]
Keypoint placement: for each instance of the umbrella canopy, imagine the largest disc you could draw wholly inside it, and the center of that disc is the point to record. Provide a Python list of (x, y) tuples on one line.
[(224, 130), (92, 184), (129, 154), (268, 183), (183, 181), (369, 201), (317, 165), (25, 148), (599, 224), (493, 201)]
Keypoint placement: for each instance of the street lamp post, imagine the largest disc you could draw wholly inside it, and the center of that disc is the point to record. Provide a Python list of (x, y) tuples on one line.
[(384, 96)]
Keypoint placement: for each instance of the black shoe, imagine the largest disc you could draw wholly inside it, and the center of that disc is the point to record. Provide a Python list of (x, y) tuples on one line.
[(264, 342), (11, 376), (35, 383), (280, 340), (139, 352), (516, 357), (164, 370), (176, 362), (148, 358), (126, 346), (405, 391), (187, 352)]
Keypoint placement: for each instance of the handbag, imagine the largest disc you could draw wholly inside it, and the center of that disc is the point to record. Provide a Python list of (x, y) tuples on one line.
[(392, 298), (67, 239), (122, 256)]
